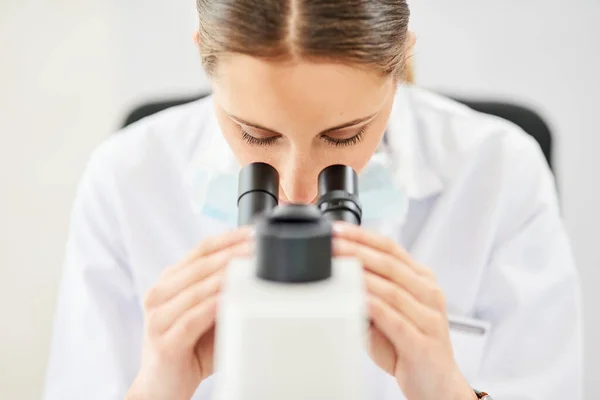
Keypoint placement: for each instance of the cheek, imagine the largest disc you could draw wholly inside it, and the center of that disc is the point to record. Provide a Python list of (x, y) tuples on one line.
[(371, 141), (363, 152), (244, 153)]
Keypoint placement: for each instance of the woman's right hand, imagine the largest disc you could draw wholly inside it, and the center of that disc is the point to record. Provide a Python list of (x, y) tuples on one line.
[(180, 312)]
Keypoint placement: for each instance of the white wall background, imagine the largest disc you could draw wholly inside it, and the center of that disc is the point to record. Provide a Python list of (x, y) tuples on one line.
[(70, 69), (57, 69)]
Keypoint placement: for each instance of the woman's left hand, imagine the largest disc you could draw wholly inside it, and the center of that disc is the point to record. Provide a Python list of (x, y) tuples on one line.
[(409, 333)]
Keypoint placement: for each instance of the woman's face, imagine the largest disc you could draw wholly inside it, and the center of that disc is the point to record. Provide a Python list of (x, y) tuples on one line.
[(301, 117)]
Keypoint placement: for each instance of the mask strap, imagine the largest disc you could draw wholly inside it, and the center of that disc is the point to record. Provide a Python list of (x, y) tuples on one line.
[(384, 144)]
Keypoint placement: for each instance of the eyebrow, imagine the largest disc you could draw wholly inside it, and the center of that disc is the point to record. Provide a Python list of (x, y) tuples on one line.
[(328, 130)]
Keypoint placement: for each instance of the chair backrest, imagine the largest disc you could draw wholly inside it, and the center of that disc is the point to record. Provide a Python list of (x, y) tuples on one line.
[(527, 119), (152, 107)]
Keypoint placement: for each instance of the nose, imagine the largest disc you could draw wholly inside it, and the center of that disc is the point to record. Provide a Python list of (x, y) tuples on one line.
[(298, 179)]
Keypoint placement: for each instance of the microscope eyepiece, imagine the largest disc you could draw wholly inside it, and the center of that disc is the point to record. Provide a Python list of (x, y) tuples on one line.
[(338, 194), (258, 191)]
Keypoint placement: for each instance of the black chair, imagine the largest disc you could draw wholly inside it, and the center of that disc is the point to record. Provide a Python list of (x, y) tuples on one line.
[(152, 107), (522, 116)]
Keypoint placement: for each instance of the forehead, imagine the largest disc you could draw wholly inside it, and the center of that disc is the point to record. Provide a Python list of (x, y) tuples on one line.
[(255, 89)]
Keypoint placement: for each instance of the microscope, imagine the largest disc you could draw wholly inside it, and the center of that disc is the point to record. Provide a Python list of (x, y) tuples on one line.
[(292, 321)]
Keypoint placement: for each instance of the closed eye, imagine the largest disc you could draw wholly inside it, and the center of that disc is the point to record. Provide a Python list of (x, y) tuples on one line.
[(254, 141), (347, 141), (271, 140)]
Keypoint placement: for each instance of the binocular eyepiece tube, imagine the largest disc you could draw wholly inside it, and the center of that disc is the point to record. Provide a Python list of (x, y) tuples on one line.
[(338, 194), (294, 241), (258, 193)]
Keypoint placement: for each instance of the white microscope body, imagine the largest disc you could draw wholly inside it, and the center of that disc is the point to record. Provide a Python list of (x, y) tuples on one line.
[(280, 341), (292, 321)]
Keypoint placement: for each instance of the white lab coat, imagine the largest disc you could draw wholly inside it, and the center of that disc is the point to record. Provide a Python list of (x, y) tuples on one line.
[(482, 214)]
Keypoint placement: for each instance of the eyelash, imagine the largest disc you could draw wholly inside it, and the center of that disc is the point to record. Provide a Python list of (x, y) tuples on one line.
[(252, 141)]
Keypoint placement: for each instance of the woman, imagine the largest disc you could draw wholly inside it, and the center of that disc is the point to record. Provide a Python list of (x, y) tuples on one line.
[(474, 228)]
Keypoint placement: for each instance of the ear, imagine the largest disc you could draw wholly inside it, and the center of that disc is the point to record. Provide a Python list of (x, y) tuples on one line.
[(409, 51), (197, 38), (411, 41)]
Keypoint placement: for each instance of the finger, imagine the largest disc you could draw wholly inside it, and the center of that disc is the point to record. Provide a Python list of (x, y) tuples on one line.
[(169, 286), (192, 325), (166, 315), (363, 236), (382, 351), (207, 265), (205, 350), (398, 330), (423, 318), (214, 244), (386, 266), (379, 242)]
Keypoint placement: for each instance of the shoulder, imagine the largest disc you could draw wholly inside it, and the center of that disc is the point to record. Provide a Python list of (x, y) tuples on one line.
[(139, 168), (460, 141), (459, 130), (484, 163), (157, 144), (169, 133)]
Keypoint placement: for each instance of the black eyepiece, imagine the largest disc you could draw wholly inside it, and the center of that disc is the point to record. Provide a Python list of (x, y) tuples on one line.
[(293, 245), (258, 191), (338, 194)]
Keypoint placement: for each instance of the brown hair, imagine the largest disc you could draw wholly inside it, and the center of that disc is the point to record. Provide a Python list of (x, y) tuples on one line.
[(371, 33)]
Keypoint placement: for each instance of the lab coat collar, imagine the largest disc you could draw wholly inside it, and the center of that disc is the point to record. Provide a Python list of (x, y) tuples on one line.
[(406, 144)]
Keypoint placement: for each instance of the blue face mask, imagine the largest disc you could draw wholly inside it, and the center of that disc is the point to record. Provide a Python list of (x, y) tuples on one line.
[(214, 192)]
